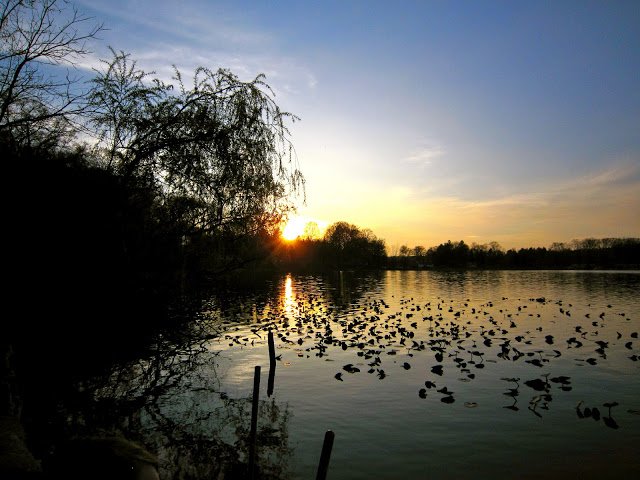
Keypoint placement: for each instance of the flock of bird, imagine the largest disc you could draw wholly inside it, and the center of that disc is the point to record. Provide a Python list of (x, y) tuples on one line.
[(450, 334)]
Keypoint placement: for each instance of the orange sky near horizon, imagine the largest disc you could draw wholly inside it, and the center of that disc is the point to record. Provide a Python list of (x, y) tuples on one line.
[(597, 206)]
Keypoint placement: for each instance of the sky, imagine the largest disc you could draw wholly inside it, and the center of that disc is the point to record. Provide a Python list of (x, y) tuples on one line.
[(427, 121)]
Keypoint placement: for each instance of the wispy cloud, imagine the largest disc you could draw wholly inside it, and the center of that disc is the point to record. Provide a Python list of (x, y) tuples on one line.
[(599, 203), (183, 22), (424, 155), (193, 35), (618, 174), (608, 188)]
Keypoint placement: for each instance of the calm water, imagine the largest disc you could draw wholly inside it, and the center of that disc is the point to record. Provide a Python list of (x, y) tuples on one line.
[(419, 374)]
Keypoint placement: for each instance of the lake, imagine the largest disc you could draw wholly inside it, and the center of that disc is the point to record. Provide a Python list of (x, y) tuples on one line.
[(420, 374)]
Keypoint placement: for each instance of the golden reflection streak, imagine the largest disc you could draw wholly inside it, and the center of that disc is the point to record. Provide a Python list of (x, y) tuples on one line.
[(288, 297)]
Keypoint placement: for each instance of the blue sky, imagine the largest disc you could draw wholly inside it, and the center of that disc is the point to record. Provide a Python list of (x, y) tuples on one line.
[(511, 121)]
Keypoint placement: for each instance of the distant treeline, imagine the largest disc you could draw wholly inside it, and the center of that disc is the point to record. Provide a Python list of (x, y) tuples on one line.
[(589, 253), (345, 246)]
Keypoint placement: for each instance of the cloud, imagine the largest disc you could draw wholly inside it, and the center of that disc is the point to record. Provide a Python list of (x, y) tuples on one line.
[(199, 34), (602, 203), (620, 174), (591, 193), (182, 22), (312, 81), (424, 155)]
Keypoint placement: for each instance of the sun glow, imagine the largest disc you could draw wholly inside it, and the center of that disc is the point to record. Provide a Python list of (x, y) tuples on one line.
[(294, 228), (303, 227)]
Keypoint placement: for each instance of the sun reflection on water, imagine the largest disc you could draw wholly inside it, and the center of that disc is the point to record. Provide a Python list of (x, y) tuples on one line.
[(289, 297)]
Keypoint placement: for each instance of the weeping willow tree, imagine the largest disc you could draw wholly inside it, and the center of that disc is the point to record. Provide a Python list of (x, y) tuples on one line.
[(218, 151)]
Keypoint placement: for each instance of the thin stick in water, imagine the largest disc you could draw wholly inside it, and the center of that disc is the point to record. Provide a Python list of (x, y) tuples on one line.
[(254, 422), (272, 365), (325, 456)]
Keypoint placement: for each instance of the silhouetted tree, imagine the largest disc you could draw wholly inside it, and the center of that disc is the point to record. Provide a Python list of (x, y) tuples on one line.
[(348, 246), (36, 102), (486, 255), (373, 249), (222, 145), (311, 231), (450, 254), (341, 234), (558, 247)]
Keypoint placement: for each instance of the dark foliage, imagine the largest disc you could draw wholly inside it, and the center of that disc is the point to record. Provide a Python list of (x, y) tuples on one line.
[(590, 253), (91, 260)]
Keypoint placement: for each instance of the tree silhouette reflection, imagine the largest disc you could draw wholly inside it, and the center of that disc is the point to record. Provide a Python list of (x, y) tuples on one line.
[(170, 400)]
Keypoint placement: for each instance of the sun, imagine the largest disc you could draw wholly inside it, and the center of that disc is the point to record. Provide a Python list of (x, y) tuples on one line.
[(303, 227), (294, 228)]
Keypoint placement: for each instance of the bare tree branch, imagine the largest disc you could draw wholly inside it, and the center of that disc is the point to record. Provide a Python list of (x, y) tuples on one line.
[(34, 34)]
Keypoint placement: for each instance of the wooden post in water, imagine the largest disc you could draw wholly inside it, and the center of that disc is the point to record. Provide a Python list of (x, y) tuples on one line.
[(272, 365), (254, 422), (323, 466)]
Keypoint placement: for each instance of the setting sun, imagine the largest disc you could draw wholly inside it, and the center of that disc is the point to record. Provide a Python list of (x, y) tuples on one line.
[(303, 227), (294, 228)]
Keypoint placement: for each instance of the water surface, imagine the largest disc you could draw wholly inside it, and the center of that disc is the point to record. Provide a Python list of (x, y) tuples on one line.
[(419, 374)]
